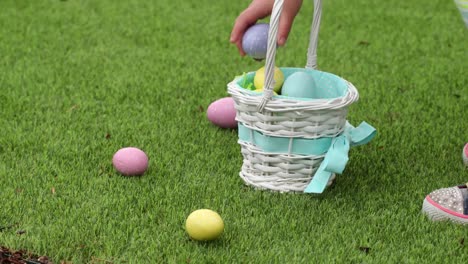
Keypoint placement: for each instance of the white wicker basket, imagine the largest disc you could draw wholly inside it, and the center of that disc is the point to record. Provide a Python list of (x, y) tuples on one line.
[(273, 130)]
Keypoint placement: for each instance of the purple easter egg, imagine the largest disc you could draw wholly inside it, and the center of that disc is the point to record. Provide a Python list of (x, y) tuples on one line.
[(255, 41), (130, 161), (222, 113)]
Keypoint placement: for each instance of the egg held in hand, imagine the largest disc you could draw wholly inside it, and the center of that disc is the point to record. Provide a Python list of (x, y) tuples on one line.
[(301, 85), (278, 77), (255, 41), (222, 113), (130, 161)]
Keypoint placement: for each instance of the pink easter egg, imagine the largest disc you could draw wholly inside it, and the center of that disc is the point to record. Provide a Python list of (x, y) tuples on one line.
[(465, 154), (130, 161), (222, 113)]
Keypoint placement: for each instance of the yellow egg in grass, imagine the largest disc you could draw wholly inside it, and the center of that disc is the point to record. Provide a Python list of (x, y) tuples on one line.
[(278, 76), (204, 225)]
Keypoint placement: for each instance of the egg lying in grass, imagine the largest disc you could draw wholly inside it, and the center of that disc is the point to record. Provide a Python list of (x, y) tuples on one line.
[(204, 225), (222, 113), (299, 84), (255, 41), (130, 161), (259, 79)]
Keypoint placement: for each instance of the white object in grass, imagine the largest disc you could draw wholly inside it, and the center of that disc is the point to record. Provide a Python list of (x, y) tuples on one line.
[(465, 154)]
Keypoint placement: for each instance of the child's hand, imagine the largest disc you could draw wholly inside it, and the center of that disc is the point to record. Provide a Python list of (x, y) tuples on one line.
[(259, 9)]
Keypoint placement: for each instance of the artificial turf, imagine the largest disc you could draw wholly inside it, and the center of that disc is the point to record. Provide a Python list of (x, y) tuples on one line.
[(81, 79)]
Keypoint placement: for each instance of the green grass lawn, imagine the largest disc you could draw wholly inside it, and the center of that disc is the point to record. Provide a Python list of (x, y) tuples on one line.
[(80, 79)]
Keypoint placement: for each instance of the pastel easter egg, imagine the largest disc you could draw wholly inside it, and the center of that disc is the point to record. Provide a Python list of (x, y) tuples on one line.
[(255, 41), (465, 154), (299, 84), (130, 161), (204, 225), (259, 79), (222, 113)]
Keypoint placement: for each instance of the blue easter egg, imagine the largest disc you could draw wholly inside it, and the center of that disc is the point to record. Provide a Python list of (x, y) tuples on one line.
[(299, 84), (255, 41)]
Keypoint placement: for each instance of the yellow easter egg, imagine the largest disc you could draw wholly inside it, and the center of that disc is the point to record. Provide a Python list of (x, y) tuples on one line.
[(278, 76), (204, 225)]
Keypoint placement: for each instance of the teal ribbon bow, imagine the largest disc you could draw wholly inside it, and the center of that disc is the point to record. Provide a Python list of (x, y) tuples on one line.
[(337, 155)]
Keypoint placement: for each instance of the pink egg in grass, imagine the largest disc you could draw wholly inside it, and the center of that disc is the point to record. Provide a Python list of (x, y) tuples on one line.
[(465, 154), (222, 113), (130, 161)]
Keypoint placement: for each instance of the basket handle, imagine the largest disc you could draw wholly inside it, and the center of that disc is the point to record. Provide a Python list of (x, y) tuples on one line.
[(271, 48)]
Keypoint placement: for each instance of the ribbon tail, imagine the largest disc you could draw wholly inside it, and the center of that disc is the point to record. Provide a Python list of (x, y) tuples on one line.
[(319, 181), (362, 134), (334, 162)]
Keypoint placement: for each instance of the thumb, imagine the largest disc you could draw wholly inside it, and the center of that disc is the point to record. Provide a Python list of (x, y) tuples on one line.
[(290, 11), (284, 28)]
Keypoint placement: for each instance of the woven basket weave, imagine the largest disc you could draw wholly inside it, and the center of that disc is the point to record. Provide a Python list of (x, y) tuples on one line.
[(272, 117)]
